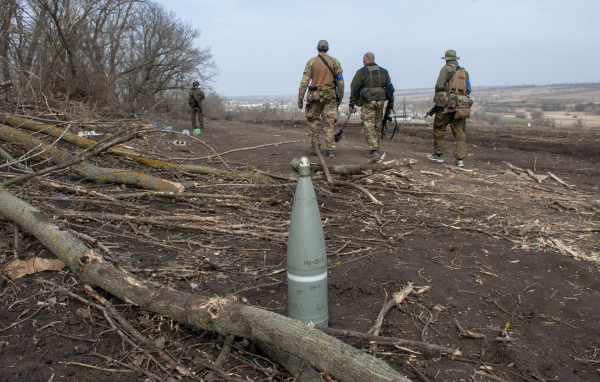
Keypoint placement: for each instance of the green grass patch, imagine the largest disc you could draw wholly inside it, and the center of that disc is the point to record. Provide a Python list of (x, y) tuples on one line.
[(515, 121)]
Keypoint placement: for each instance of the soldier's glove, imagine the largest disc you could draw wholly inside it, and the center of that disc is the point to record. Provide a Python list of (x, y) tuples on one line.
[(300, 104)]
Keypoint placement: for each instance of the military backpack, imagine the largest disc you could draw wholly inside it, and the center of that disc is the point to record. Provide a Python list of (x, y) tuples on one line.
[(455, 99)]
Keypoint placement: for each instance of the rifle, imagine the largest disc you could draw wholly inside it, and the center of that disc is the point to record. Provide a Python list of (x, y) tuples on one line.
[(338, 132), (396, 122), (197, 104), (386, 117), (433, 110)]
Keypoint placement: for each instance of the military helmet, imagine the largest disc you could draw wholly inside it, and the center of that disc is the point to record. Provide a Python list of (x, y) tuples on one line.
[(195, 83), (450, 55), (323, 44)]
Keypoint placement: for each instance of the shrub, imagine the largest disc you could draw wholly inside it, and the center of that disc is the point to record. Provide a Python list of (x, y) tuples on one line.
[(479, 115), (536, 114), (579, 123), (593, 109), (553, 106), (520, 114), (574, 115), (213, 106), (495, 120), (544, 122)]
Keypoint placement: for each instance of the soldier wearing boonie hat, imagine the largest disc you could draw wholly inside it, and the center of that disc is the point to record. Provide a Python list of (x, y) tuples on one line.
[(323, 78), (453, 82)]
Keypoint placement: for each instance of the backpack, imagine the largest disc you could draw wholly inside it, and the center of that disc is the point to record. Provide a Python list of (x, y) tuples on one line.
[(458, 82)]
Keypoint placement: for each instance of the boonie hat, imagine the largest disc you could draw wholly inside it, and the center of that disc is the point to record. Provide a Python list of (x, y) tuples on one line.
[(450, 55), (323, 44)]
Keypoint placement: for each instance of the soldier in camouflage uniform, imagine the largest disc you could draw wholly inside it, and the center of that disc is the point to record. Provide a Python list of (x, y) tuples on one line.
[(322, 73), (195, 101), (370, 88), (445, 115)]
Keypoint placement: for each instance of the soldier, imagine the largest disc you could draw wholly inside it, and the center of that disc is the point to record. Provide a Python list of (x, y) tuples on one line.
[(195, 101), (451, 95), (370, 88), (325, 93)]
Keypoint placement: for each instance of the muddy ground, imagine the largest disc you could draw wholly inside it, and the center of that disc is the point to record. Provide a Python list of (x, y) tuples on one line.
[(467, 234)]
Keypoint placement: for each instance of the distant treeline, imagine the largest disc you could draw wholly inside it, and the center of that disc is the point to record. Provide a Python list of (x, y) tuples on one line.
[(98, 51)]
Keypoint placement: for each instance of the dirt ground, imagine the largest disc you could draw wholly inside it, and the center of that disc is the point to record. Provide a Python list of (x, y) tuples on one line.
[(497, 248)]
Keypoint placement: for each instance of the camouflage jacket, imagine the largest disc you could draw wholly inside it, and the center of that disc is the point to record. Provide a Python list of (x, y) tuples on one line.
[(372, 77), (442, 82), (197, 94), (318, 75)]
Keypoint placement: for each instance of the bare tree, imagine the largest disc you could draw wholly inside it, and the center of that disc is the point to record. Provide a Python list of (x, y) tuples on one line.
[(99, 51), (162, 55)]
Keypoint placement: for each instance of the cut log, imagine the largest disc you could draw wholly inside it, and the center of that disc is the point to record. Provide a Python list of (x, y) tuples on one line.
[(87, 170), (223, 315), (124, 152), (302, 370)]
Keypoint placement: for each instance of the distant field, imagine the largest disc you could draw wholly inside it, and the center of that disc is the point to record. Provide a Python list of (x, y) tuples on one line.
[(505, 102), (513, 121)]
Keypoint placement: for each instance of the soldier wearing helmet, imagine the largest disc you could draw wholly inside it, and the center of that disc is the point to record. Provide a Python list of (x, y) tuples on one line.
[(452, 91), (324, 75), (195, 101)]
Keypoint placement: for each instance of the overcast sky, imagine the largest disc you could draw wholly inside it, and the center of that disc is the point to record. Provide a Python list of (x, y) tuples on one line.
[(261, 47)]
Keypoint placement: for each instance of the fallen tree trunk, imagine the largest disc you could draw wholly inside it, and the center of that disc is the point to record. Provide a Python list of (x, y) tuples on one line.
[(84, 169), (194, 195), (347, 170), (225, 316), (128, 153)]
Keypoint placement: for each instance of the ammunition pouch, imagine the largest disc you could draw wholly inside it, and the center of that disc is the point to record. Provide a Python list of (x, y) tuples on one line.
[(464, 102), (365, 96), (440, 99), (313, 94), (327, 92), (452, 101), (462, 113), (463, 106)]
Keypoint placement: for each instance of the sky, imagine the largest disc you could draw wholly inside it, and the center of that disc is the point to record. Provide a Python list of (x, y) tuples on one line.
[(261, 47)]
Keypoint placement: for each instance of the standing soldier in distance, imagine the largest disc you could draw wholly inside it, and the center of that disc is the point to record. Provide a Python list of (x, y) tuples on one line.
[(452, 86), (325, 93), (195, 101), (370, 88)]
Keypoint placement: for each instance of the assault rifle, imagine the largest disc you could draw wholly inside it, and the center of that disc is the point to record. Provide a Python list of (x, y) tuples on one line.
[(433, 110), (197, 104), (386, 117)]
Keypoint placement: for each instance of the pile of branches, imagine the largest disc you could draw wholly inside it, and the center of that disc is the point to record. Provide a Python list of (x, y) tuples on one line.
[(37, 155)]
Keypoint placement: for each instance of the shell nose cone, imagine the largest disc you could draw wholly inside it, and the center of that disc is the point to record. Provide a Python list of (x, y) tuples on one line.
[(304, 167)]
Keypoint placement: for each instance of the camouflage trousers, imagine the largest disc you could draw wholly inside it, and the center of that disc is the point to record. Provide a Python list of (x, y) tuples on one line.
[(458, 126), (371, 116), (193, 111), (328, 110)]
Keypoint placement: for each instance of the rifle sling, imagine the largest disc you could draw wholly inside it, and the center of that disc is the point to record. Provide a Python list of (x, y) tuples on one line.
[(331, 70)]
